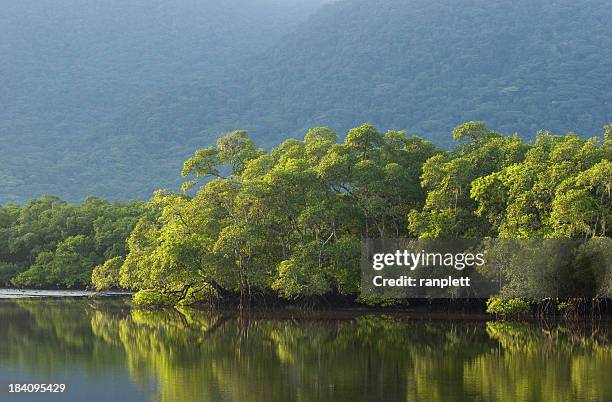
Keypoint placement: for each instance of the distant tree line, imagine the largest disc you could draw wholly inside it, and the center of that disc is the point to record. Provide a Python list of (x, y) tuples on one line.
[(289, 222), (49, 243)]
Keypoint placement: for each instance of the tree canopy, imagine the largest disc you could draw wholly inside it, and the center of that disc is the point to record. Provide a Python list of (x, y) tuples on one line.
[(289, 222)]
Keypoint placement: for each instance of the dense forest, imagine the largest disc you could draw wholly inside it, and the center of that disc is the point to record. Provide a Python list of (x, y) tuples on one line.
[(289, 222), (68, 67), (50, 243), (91, 91)]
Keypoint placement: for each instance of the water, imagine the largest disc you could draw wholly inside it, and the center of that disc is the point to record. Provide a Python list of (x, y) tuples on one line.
[(105, 351)]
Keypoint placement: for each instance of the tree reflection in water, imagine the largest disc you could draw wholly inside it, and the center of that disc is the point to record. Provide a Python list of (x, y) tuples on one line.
[(188, 355)]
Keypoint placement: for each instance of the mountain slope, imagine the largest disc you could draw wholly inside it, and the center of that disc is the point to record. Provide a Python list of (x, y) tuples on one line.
[(66, 65), (420, 65)]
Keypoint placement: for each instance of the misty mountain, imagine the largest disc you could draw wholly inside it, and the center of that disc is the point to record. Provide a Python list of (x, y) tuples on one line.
[(151, 95), (66, 66)]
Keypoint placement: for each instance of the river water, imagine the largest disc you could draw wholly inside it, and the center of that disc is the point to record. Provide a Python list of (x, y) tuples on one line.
[(105, 350)]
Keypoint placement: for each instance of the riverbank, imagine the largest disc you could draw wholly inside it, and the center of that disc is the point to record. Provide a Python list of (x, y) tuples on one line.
[(41, 293), (271, 306)]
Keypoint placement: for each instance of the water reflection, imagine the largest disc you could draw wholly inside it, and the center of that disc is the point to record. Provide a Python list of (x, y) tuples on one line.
[(190, 355)]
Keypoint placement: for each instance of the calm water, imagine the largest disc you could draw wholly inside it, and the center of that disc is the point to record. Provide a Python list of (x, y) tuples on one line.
[(105, 351)]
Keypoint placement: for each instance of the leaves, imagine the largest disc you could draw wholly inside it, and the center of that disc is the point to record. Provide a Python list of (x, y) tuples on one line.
[(290, 222)]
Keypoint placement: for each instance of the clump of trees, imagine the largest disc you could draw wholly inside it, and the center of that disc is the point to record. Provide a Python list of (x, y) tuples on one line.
[(50, 243), (289, 222)]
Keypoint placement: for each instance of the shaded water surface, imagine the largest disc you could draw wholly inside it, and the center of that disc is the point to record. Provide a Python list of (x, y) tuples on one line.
[(103, 350)]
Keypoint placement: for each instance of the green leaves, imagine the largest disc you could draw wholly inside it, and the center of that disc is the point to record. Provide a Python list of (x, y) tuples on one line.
[(69, 266), (290, 222), (583, 204), (106, 276), (233, 149), (51, 243), (204, 163), (236, 149), (364, 139), (449, 180), (287, 222)]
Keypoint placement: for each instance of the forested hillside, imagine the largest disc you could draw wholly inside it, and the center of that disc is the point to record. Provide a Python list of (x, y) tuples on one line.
[(418, 65), (67, 66)]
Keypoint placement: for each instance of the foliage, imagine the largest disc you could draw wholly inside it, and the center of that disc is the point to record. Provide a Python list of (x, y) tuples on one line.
[(507, 307), (289, 222), (106, 276), (151, 297), (50, 243)]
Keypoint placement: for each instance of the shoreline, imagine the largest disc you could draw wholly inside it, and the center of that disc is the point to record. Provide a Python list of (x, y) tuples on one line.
[(8, 294), (456, 310)]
